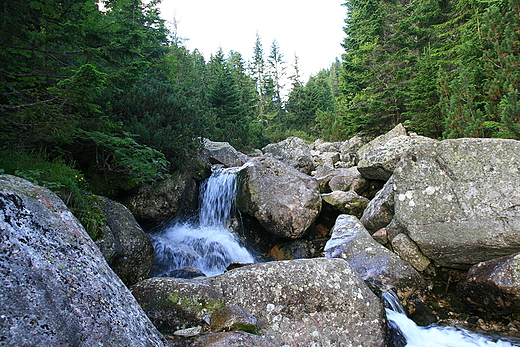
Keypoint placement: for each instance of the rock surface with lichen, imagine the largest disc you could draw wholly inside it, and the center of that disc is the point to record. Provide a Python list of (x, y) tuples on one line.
[(459, 200), (307, 302), (57, 289), (285, 201), (375, 263), (173, 303), (125, 246)]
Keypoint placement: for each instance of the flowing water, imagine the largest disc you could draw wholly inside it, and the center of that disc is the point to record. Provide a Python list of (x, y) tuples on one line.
[(206, 244), (433, 336)]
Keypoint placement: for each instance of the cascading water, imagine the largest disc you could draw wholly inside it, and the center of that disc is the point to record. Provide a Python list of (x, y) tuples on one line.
[(432, 336), (207, 245)]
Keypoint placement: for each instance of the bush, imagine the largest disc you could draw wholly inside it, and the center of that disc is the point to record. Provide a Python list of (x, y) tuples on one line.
[(62, 179)]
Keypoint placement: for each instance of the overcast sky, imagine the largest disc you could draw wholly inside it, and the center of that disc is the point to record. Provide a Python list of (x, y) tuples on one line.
[(313, 30)]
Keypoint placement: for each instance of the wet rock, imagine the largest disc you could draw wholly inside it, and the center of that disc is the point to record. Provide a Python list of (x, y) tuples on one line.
[(380, 210), (306, 302), (285, 201), (57, 289), (173, 304), (232, 339), (346, 202), (493, 286), (373, 262), (125, 246), (458, 199), (223, 153), (233, 317)]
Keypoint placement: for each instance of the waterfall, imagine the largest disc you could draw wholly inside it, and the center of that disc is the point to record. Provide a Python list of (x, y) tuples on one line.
[(432, 336), (208, 243)]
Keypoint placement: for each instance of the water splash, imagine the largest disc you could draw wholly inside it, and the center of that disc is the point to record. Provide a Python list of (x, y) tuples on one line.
[(208, 245), (433, 336)]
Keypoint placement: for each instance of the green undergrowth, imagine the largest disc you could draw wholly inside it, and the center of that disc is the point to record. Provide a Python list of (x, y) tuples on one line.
[(60, 177)]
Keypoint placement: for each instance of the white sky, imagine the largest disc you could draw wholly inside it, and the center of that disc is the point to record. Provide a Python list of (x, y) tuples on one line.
[(313, 30)]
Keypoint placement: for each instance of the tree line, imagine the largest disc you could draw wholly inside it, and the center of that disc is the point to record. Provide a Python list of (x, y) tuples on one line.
[(445, 68), (103, 96)]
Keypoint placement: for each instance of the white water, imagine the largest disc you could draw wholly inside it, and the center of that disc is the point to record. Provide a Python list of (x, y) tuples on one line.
[(209, 244), (434, 336)]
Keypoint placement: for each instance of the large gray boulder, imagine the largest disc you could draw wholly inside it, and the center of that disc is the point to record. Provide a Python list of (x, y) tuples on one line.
[(458, 199), (307, 302), (374, 263), (57, 289), (285, 201), (223, 153), (493, 286), (125, 246), (294, 152)]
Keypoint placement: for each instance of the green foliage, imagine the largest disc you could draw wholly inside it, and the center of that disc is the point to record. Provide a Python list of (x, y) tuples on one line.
[(126, 161), (62, 179), (446, 68)]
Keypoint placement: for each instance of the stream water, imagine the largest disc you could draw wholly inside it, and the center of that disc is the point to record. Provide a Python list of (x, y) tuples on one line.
[(207, 242), (411, 335)]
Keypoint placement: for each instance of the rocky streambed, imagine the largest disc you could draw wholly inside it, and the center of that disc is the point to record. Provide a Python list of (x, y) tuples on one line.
[(438, 222)]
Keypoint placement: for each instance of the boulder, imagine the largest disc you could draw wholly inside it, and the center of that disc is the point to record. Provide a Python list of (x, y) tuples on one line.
[(174, 303), (408, 250), (493, 286), (380, 209), (378, 142), (374, 263), (57, 289), (294, 152), (348, 149), (378, 162), (458, 199), (285, 201), (223, 153), (306, 302), (323, 174), (322, 146), (125, 246), (346, 202), (349, 179), (161, 200), (235, 338)]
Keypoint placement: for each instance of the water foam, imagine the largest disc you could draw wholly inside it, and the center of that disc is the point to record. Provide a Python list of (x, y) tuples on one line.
[(207, 244), (433, 336)]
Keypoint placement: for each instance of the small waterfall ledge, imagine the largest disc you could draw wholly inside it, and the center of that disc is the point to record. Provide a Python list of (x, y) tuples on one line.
[(206, 243)]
